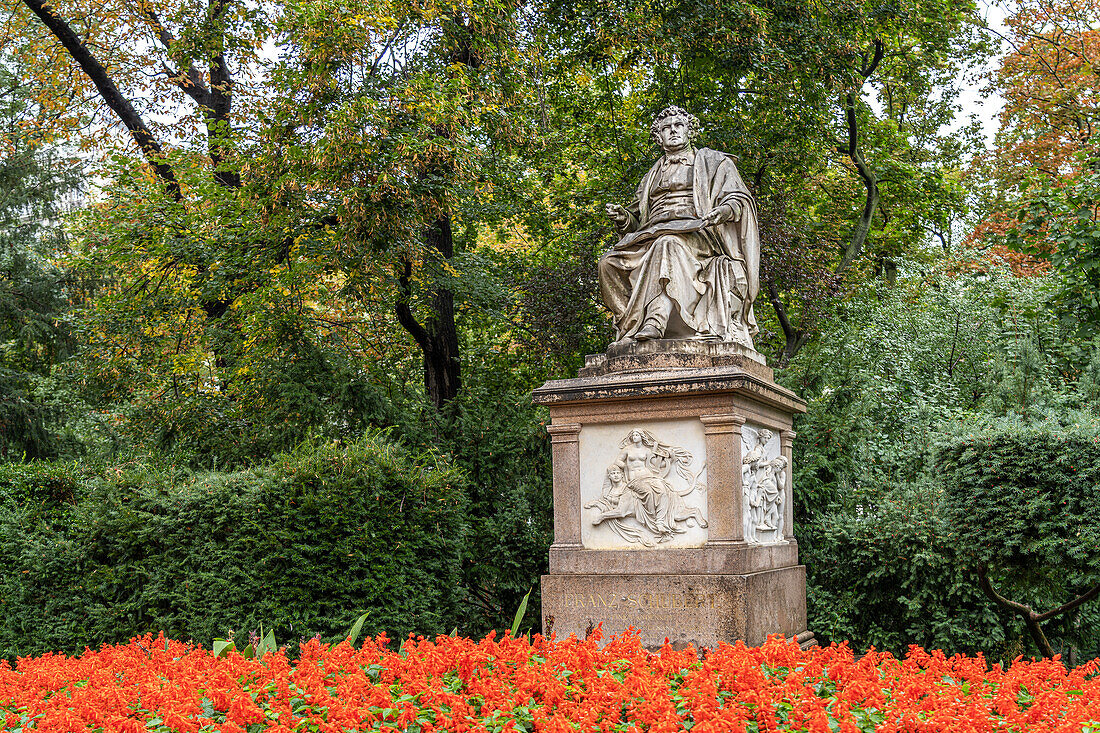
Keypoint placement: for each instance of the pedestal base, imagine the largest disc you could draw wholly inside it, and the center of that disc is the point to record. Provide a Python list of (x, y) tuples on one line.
[(696, 610), (673, 504)]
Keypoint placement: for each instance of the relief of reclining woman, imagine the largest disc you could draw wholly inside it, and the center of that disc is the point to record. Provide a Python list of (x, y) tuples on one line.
[(637, 487)]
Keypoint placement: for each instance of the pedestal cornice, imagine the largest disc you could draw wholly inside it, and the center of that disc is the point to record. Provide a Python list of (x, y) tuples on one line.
[(648, 385)]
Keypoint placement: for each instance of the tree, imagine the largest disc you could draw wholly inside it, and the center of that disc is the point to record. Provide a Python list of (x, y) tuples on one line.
[(1046, 141), (34, 181), (405, 106), (240, 210)]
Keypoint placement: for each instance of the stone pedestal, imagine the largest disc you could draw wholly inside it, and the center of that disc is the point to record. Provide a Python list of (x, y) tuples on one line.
[(672, 497)]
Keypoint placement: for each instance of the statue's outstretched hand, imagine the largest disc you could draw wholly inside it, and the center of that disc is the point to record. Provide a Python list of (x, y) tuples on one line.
[(723, 213), (618, 214)]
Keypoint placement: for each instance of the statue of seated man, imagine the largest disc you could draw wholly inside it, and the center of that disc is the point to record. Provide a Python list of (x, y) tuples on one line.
[(687, 264)]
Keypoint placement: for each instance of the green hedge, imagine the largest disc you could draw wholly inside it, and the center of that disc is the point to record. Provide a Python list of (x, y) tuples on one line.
[(1025, 498), (886, 576), (303, 545), (1022, 501)]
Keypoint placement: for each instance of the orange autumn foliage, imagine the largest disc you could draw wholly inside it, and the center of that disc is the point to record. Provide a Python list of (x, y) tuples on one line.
[(1050, 88), (504, 685), (1051, 95)]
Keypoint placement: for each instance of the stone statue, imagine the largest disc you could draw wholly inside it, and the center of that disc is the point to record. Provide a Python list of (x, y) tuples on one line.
[(687, 264), (639, 500)]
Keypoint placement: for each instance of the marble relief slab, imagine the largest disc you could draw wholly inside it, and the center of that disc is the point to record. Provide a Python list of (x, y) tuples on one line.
[(643, 485), (763, 485)]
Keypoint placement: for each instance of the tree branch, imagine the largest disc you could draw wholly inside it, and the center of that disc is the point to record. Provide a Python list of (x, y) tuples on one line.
[(404, 312), (218, 124), (1065, 607), (876, 58), (870, 182), (109, 91), (189, 79), (1031, 619)]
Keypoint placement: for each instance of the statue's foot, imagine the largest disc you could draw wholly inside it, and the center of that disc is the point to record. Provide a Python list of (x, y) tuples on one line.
[(648, 332), (624, 341)]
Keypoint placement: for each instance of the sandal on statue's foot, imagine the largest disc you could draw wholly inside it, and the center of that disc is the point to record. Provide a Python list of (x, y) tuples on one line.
[(648, 332)]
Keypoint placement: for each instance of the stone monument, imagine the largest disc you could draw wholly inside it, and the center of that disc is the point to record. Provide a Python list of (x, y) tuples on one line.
[(672, 450)]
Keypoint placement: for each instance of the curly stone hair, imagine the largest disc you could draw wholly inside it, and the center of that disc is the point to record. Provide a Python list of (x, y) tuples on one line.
[(674, 111)]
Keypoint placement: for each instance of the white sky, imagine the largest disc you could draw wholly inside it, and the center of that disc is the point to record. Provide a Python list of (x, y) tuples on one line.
[(976, 99)]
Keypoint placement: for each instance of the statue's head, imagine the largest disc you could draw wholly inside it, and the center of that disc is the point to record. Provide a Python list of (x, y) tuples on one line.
[(674, 128), (638, 436), (765, 436)]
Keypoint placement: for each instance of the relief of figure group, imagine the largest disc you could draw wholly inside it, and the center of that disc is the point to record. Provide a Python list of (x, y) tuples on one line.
[(644, 490), (763, 479)]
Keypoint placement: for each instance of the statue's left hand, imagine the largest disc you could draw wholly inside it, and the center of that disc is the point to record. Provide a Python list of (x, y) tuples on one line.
[(721, 214)]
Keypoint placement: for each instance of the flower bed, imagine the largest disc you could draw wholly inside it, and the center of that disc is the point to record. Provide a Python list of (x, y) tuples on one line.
[(499, 685)]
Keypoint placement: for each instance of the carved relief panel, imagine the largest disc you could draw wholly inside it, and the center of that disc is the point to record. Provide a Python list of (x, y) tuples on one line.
[(763, 484), (643, 486)]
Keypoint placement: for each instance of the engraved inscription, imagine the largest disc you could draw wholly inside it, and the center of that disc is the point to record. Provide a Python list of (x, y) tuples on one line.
[(651, 491), (640, 600), (763, 480), (685, 609), (659, 614)]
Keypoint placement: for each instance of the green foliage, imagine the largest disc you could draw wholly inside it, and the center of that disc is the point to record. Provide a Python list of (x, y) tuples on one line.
[(897, 362), (1023, 500), (903, 369), (43, 489), (520, 613), (34, 179), (899, 582), (299, 543), (1060, 221), (280, 363), (496, 436)]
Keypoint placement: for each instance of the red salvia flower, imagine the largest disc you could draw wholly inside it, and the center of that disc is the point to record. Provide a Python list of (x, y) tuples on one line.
[(507, 685)]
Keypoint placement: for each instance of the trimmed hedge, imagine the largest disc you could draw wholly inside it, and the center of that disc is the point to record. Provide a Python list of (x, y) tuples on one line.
[(302, 545), (888, 577), (1025, 498), (1021, 502)]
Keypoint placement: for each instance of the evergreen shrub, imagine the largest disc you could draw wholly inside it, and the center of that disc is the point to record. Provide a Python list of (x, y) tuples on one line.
[(1022, 504), (302, 545), (1025, 498), (886, 576)]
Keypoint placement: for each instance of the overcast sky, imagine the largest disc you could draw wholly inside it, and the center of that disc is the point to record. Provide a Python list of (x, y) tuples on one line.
[(975, 99)]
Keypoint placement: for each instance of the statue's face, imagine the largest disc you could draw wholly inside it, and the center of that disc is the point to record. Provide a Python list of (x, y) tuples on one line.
[(672, 133), (615, 475)]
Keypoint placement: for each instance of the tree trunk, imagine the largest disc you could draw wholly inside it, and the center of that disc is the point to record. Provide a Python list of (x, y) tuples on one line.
[(794, 339), (852, 149), (870, 183), (438, 336), (148, 144)]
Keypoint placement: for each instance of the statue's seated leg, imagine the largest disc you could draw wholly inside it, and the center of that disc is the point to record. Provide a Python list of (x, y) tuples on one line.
[(656, 319)]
